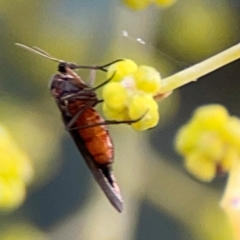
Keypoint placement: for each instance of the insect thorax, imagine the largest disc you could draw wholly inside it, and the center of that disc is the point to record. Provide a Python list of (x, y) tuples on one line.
[(62, 84)]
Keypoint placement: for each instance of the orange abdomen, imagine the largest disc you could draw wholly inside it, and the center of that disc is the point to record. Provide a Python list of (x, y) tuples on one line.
[(97, 139)]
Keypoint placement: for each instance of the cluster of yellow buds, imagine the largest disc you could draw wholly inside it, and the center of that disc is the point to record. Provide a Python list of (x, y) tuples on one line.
[(141, 4), (130, 94), (209, 142), (15, 172)]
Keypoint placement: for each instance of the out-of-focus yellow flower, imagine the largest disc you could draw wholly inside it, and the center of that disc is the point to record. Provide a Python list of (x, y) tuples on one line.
[(232, 132), (15, 172), (141, 4), (211, 117), (209, 141), (131, 94), (137, 4), (20, 231), (165, 3), (196, 162)]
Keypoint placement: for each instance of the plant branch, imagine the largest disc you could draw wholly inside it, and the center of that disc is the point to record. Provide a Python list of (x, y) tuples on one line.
[(193, 73)]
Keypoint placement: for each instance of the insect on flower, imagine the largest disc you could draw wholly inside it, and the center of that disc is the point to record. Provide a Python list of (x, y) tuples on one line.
[(76, 101)]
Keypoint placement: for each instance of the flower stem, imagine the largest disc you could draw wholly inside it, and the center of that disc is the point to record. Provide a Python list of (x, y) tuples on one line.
[(193, 73), (231, 198)]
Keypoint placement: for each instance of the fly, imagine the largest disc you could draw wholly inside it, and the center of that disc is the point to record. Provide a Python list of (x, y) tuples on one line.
[(76, 101)]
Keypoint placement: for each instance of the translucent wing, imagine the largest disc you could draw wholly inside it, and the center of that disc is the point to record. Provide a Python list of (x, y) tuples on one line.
[(112, 192)]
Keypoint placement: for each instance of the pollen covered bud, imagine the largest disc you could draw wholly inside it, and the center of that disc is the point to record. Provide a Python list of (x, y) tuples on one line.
[(212, 117), (143, 106), (115, 114), (115, 96), (121, 69), (131, 95), (147, 79), (16, 172), (141, 4), (165, 3), (137, 4), (209, 142), (201, 166)]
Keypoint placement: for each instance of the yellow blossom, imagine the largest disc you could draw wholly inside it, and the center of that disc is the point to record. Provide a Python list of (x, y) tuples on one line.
[(186, 138), (165, 3), (200, 166), (227, 162), (137, 4), (143, 106), (141, 4), (148, 79), (15, 172), (130, 95), (12, 192), (211, 117), (115, 96), (231, 132), (210, 140), (114, 114), (121, 69)]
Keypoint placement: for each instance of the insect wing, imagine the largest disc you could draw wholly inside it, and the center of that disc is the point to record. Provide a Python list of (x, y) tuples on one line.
[(113, 193)]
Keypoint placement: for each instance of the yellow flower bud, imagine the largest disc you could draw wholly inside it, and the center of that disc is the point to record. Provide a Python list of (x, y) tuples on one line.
[(12, 192), (211, 117), (115, 115), (209, 141), (165, 3), (140, 105), (147, 79), (211, 145), (231, 132), (186, 138), (115, 96), (200, 166), (15, 172), (121, 69), (137, 4)]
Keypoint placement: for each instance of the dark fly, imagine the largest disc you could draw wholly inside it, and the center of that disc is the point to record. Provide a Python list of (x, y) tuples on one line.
[(76, 101)]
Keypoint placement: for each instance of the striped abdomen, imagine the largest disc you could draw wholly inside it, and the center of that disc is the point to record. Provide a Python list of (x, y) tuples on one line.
[(97, 139)]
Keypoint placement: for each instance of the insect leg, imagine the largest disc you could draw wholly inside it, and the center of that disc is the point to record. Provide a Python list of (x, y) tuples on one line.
[(100, 101), (108, 122), (104, 83), (109, 64), (81, 110), (76, 116), (92, 78), (102, 68)]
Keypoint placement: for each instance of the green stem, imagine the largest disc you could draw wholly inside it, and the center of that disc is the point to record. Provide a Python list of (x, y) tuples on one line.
[(193, 73)]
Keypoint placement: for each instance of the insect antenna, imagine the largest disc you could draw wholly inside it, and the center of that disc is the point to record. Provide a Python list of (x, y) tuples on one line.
[(72, 66), (42, 51), (39, 52)]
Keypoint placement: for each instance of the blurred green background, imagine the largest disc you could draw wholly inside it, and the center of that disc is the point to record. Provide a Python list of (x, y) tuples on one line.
[(161, 200)]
